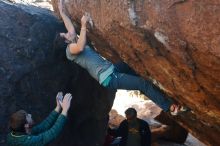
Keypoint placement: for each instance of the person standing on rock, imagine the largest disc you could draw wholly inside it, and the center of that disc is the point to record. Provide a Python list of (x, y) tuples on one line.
[(23, 134), (107, 74)]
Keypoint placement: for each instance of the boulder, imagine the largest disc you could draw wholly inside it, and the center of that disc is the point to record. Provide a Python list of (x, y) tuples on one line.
[(176, 43), (172, 132), (32, 71)]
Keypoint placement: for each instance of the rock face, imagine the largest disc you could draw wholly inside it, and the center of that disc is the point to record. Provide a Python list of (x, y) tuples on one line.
[(32, 71), (174, 132), (175, 42)]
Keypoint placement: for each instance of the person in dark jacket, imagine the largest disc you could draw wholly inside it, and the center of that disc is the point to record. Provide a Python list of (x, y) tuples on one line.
[(133, 131), (23, 134)]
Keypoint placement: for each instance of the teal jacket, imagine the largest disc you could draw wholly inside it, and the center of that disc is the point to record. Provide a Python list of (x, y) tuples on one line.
[(41, 134)]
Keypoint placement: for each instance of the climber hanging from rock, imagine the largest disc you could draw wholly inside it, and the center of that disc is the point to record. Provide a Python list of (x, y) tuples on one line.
[(107, 74)]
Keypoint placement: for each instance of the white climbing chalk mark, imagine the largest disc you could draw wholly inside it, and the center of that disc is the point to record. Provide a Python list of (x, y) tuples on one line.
[(132, 14), (162, 38)]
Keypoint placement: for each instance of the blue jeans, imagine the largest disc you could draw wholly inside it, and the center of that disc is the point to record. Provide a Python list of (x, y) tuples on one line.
[(125, 78)]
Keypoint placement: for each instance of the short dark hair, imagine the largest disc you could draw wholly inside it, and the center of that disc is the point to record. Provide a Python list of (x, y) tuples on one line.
[(131, 111), (59, 42), (17, 121)]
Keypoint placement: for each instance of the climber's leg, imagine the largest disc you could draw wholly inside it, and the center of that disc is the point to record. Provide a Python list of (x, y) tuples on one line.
[(130, 82), (122, 67)]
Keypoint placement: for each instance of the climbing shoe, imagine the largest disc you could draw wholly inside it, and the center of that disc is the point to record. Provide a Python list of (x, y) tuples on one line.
[(177, 109)]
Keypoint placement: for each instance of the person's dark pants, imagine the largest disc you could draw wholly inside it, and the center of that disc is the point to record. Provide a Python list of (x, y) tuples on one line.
[(125, 78)]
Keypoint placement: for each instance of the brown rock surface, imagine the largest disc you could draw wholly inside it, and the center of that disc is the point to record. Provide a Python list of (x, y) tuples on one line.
[(173, 132), (175, 42)]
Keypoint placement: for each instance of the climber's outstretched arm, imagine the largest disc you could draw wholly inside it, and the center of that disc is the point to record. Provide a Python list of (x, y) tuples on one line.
[(76, 48), (68, 24)]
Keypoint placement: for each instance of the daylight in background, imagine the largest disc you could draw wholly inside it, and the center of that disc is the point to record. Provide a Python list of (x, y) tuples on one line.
[(146, 110)]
